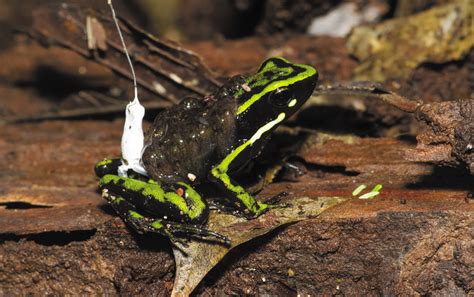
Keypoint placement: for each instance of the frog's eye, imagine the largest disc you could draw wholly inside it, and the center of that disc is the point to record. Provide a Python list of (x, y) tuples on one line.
[(280, 97)]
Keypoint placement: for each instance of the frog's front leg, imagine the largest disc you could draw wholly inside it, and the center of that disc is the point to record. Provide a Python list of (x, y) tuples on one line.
[(177, 210), (245, 202)]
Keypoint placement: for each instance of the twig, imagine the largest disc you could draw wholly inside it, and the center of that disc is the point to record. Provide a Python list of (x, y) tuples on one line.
[(371, 90), (80, 113)]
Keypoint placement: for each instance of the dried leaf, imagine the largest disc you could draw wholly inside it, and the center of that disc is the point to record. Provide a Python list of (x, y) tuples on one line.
[(96, 35), (198, 258)]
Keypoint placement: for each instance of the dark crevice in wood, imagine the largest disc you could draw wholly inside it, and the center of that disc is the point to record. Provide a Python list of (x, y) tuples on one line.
[(51, 238), (22, 205)]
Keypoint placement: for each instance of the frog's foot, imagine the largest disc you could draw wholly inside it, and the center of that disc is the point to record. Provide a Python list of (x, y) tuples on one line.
[(195, 231), (219, 205), (275, 201), (267, 205), (250, 208), (176, 232)]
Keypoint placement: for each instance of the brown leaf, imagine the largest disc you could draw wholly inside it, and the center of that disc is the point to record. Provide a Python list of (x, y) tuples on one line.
[(198, 258)]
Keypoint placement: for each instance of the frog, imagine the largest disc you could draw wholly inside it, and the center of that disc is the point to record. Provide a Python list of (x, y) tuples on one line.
[(206, 141)]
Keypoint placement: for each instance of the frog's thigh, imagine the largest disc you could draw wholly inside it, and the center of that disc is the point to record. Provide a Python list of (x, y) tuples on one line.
[(187, 207), (129, 213), (142, 224), (243, 199)]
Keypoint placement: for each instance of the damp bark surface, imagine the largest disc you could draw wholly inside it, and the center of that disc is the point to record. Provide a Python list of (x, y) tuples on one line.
[(414, 238), (58, 236)]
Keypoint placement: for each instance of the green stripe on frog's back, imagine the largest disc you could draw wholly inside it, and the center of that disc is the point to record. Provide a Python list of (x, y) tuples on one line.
[(273, 74)]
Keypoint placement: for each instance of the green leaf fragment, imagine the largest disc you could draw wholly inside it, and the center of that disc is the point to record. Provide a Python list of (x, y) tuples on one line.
[(369, 195), (358, 190), (377, 188)]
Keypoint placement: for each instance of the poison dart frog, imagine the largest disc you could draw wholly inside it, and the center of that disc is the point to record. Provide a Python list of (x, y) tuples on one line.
[(202, 140)]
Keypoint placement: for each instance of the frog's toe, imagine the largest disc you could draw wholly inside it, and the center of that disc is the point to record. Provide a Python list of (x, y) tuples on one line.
[(179, 242), (196, 231), (280, 205), (270, 203), (275, 200)]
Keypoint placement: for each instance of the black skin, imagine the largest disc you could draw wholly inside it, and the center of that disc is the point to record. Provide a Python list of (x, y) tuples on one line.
[(190, 137)]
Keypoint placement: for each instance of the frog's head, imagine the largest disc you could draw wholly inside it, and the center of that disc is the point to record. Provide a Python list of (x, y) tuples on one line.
[(273, 94)]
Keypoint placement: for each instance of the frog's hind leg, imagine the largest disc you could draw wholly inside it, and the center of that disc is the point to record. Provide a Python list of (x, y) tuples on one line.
[(181, 214), (143, 224)]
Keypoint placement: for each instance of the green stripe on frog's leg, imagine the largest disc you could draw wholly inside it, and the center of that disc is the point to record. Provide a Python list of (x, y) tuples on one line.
[(142, 224), (251, 207), (185, 205), (129, 213), (220, 171)]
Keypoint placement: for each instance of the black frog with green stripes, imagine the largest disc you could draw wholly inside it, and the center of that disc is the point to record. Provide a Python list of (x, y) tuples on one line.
[(202, 140)]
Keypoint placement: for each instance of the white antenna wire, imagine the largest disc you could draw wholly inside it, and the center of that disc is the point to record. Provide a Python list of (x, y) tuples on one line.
[(125, 48), (132, 143)]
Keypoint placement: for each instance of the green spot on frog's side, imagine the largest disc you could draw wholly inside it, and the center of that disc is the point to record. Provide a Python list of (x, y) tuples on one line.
[(133, 185), (135, 215), (119, 200), (157, 224)]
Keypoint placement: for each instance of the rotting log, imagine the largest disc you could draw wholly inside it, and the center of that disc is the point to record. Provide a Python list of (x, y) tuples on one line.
[(59, 237)]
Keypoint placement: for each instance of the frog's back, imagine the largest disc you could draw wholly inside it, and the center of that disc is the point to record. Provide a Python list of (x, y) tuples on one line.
[(189, 138)]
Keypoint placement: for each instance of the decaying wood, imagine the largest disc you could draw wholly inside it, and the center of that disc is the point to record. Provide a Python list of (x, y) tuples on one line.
[(450, 139), (450, 136), (59, 236)]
